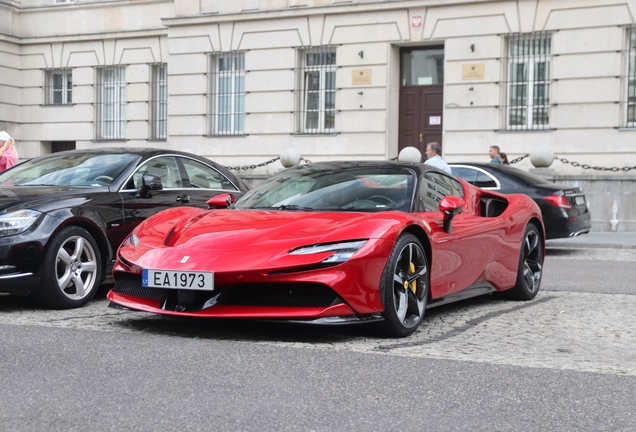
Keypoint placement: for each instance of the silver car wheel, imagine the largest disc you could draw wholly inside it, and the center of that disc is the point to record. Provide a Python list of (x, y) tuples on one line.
[(76, 267)]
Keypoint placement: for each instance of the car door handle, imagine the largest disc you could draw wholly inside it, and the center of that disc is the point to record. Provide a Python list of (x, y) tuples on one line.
[(183, 199)]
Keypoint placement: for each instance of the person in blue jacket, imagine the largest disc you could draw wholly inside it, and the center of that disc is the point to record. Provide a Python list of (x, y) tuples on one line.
[(493, 152)]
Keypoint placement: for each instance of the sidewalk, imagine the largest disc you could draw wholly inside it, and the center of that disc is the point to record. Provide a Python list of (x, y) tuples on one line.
[(620, 240)]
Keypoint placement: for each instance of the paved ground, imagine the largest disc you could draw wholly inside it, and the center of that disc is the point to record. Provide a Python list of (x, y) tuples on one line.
[(579, 331), (614, 240)]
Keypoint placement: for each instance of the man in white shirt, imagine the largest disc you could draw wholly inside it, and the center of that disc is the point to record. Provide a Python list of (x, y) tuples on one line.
[(433, 151)]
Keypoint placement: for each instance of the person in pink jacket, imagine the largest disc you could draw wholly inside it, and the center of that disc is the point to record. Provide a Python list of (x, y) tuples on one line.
[(8, 153)]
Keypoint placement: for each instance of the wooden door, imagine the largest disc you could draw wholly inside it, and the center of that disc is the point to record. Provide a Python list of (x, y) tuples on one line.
[(421, 120)]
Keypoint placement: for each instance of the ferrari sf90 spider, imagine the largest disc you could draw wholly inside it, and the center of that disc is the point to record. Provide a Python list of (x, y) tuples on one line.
[(335, 243)]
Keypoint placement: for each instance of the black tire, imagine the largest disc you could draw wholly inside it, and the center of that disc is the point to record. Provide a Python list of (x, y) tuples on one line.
[(530, 268), (71, 270), (405, 285)]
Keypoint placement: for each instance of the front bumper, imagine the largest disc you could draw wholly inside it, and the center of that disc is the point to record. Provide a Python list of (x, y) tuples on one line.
[(302, 292), (282, 300), (20, 262)]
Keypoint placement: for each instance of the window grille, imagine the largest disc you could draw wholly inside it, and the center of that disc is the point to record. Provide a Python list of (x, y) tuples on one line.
[(110, 103), (226, 95), (631, 77), (316, 91), (158, 102), (58, 87), (527, 86)]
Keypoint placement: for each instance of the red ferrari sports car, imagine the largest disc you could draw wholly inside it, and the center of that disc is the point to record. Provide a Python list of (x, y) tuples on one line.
[(335, 243)]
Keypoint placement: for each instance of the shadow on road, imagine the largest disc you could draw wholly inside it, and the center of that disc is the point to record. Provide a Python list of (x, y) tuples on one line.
[(286, 332)]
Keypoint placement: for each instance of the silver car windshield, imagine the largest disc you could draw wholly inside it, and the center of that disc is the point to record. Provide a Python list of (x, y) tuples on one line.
[(370, 189), (80, 170)]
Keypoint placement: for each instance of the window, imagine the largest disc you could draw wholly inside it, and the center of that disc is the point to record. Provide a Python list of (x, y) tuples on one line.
[(204, 177), (158, 101), (317, 91), (528, 85), (58, 87), (111, 103), (165, 168), (631, 76), (475, 177), (422, 66), (226, 96), (435, 186)]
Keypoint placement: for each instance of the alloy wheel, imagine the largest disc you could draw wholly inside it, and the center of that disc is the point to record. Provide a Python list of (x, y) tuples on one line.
[(532, 261), (76, 267), (410, 285)]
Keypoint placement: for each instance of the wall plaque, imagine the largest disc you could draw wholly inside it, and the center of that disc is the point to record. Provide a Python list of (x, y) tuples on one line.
[(360, 76), (416, 21), (473, 71)]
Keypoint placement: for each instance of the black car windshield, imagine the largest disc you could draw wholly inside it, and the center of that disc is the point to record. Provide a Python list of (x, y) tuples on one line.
[(325, 188), (81, 170)]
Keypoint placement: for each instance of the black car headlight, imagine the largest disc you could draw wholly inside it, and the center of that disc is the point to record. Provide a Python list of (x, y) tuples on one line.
[(17, 221), (340, 251)]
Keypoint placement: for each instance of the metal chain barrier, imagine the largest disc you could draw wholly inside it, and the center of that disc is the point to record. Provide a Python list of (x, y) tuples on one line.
[(246, 167), (580, 165), (514, 161), (519, 159), (597, 168)]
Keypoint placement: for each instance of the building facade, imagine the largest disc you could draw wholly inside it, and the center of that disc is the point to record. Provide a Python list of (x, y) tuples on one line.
[(240, 81)]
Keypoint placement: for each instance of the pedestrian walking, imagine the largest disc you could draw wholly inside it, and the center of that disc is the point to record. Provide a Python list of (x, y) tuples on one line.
[(433, 151), (8, 152), (504, 158), (493, 152)]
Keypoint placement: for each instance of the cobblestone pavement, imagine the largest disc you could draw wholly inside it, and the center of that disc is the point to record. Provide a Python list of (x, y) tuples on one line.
[(559, 330)]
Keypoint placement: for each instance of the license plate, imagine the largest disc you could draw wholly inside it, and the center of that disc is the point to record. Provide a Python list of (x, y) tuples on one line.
[(175, 279), (579, 200)]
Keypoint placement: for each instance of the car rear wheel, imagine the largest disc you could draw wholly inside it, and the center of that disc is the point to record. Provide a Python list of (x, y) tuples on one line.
[(530, 266), (71, 270), (405, 287)]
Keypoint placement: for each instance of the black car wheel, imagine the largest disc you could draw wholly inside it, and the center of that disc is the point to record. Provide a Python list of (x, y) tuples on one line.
[(530, 266), (405, 286), (71, 270)]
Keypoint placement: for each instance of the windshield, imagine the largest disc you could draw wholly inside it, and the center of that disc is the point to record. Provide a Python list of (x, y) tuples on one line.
[(82, 170), (371, 189)]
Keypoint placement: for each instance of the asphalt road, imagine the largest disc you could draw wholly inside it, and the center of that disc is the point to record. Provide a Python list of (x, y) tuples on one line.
[(565, 361)]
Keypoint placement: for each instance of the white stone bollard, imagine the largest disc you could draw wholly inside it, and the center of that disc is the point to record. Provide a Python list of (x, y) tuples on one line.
[(542, 157), (410, 154), (290, 157)]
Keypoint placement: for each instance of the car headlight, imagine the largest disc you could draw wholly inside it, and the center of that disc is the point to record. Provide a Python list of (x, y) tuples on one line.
[(340, 251), (131, 239), (17, 222)]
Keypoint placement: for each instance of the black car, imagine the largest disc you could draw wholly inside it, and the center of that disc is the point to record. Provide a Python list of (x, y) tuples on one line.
[(564, 208), (63, 216)]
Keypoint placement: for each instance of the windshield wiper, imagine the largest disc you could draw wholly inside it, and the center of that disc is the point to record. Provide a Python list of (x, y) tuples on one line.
[(293, 207)]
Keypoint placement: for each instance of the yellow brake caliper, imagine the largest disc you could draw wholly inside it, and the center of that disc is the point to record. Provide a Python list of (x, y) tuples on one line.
[(412, 285)]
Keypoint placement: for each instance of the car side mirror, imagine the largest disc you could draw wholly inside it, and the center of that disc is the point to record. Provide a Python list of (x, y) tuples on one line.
[(221, 201), (450, 206), (149, 183)]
